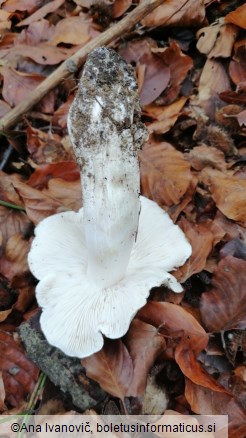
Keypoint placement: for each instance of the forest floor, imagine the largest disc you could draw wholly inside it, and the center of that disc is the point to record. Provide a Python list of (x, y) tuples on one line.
[(185, 351)]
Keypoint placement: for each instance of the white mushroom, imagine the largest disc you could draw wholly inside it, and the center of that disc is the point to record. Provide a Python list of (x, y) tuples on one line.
[(96, 267)]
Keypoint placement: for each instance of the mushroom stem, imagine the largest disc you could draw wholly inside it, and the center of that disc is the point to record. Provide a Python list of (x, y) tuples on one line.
[(106, 132)]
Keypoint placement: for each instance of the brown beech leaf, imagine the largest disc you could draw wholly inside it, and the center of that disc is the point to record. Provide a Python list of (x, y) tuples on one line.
[(60, 115), (42, 53), (2, 393), (204, 401), (42, 12), (24, 5), (166, 115), (177, 12), (156, 72), (179, 65), (111, 367), (17, 85), (67, 170), (237, 17), (228, 192), (19, 373), (120, 7), (72, 30), (144, 344), (60, 196), (202, 237), (4, 108), (7, 191), (237, 72), (202, 156), (213, 81), (191, 368), (165, 174), (12, 222), (174, 319), (224, 306), (35, 33), (14, 259), (217, 39)]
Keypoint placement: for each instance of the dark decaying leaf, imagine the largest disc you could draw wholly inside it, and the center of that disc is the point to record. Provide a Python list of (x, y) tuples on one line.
[(224, 306), (19, 373)]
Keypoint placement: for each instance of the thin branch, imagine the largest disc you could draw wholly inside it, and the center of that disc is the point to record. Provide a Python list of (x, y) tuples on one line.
[(72, 64)]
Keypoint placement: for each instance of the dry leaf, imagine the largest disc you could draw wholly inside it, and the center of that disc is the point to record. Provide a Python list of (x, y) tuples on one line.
[(19, 373), (120, 7), (202, 237), (66, 170), (111, 367), (144, 344), (166, 115), (24, 5), (177, 12), (17, 86), (204, 401), (224, 306), (237, 72), (174, 320), (157, 73), (42, 12), (217, 39), (191, 368), (14, 259), (72, 30), (213, 81), (228, 192), (179, 65), (237, 17), (2, 394), (165, 175)]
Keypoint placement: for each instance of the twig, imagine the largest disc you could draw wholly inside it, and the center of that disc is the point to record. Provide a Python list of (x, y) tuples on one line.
[(72, 64)]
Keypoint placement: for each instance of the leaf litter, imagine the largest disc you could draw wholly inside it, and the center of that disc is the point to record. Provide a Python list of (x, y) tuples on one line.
[(189, 60)]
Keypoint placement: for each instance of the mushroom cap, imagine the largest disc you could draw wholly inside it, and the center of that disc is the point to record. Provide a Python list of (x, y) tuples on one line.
[(76, 313)]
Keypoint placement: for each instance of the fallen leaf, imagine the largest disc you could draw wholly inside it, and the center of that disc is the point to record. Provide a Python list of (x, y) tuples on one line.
[(191, 368), (68, 193), (228, 192), (179, 65), (156, 74), (202, 237), (165, 174), (120, 7), (174, 319), (72, 30), (66, 170), (45, 147), (38, 205), (177, 12), (4, 108), (213, 81), (42, 53), (204, 401), (60, 115), (144, 344), (5, 22), (19, 373), (24, 5), (14, 260), (37, 32), (42, 12), (237, 72), (238, 17), (7, 191), (166, 115), (236, 248), (12, 222), (18, 85), (217, 39), (111, 367), (241, 117), (224, 306)]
